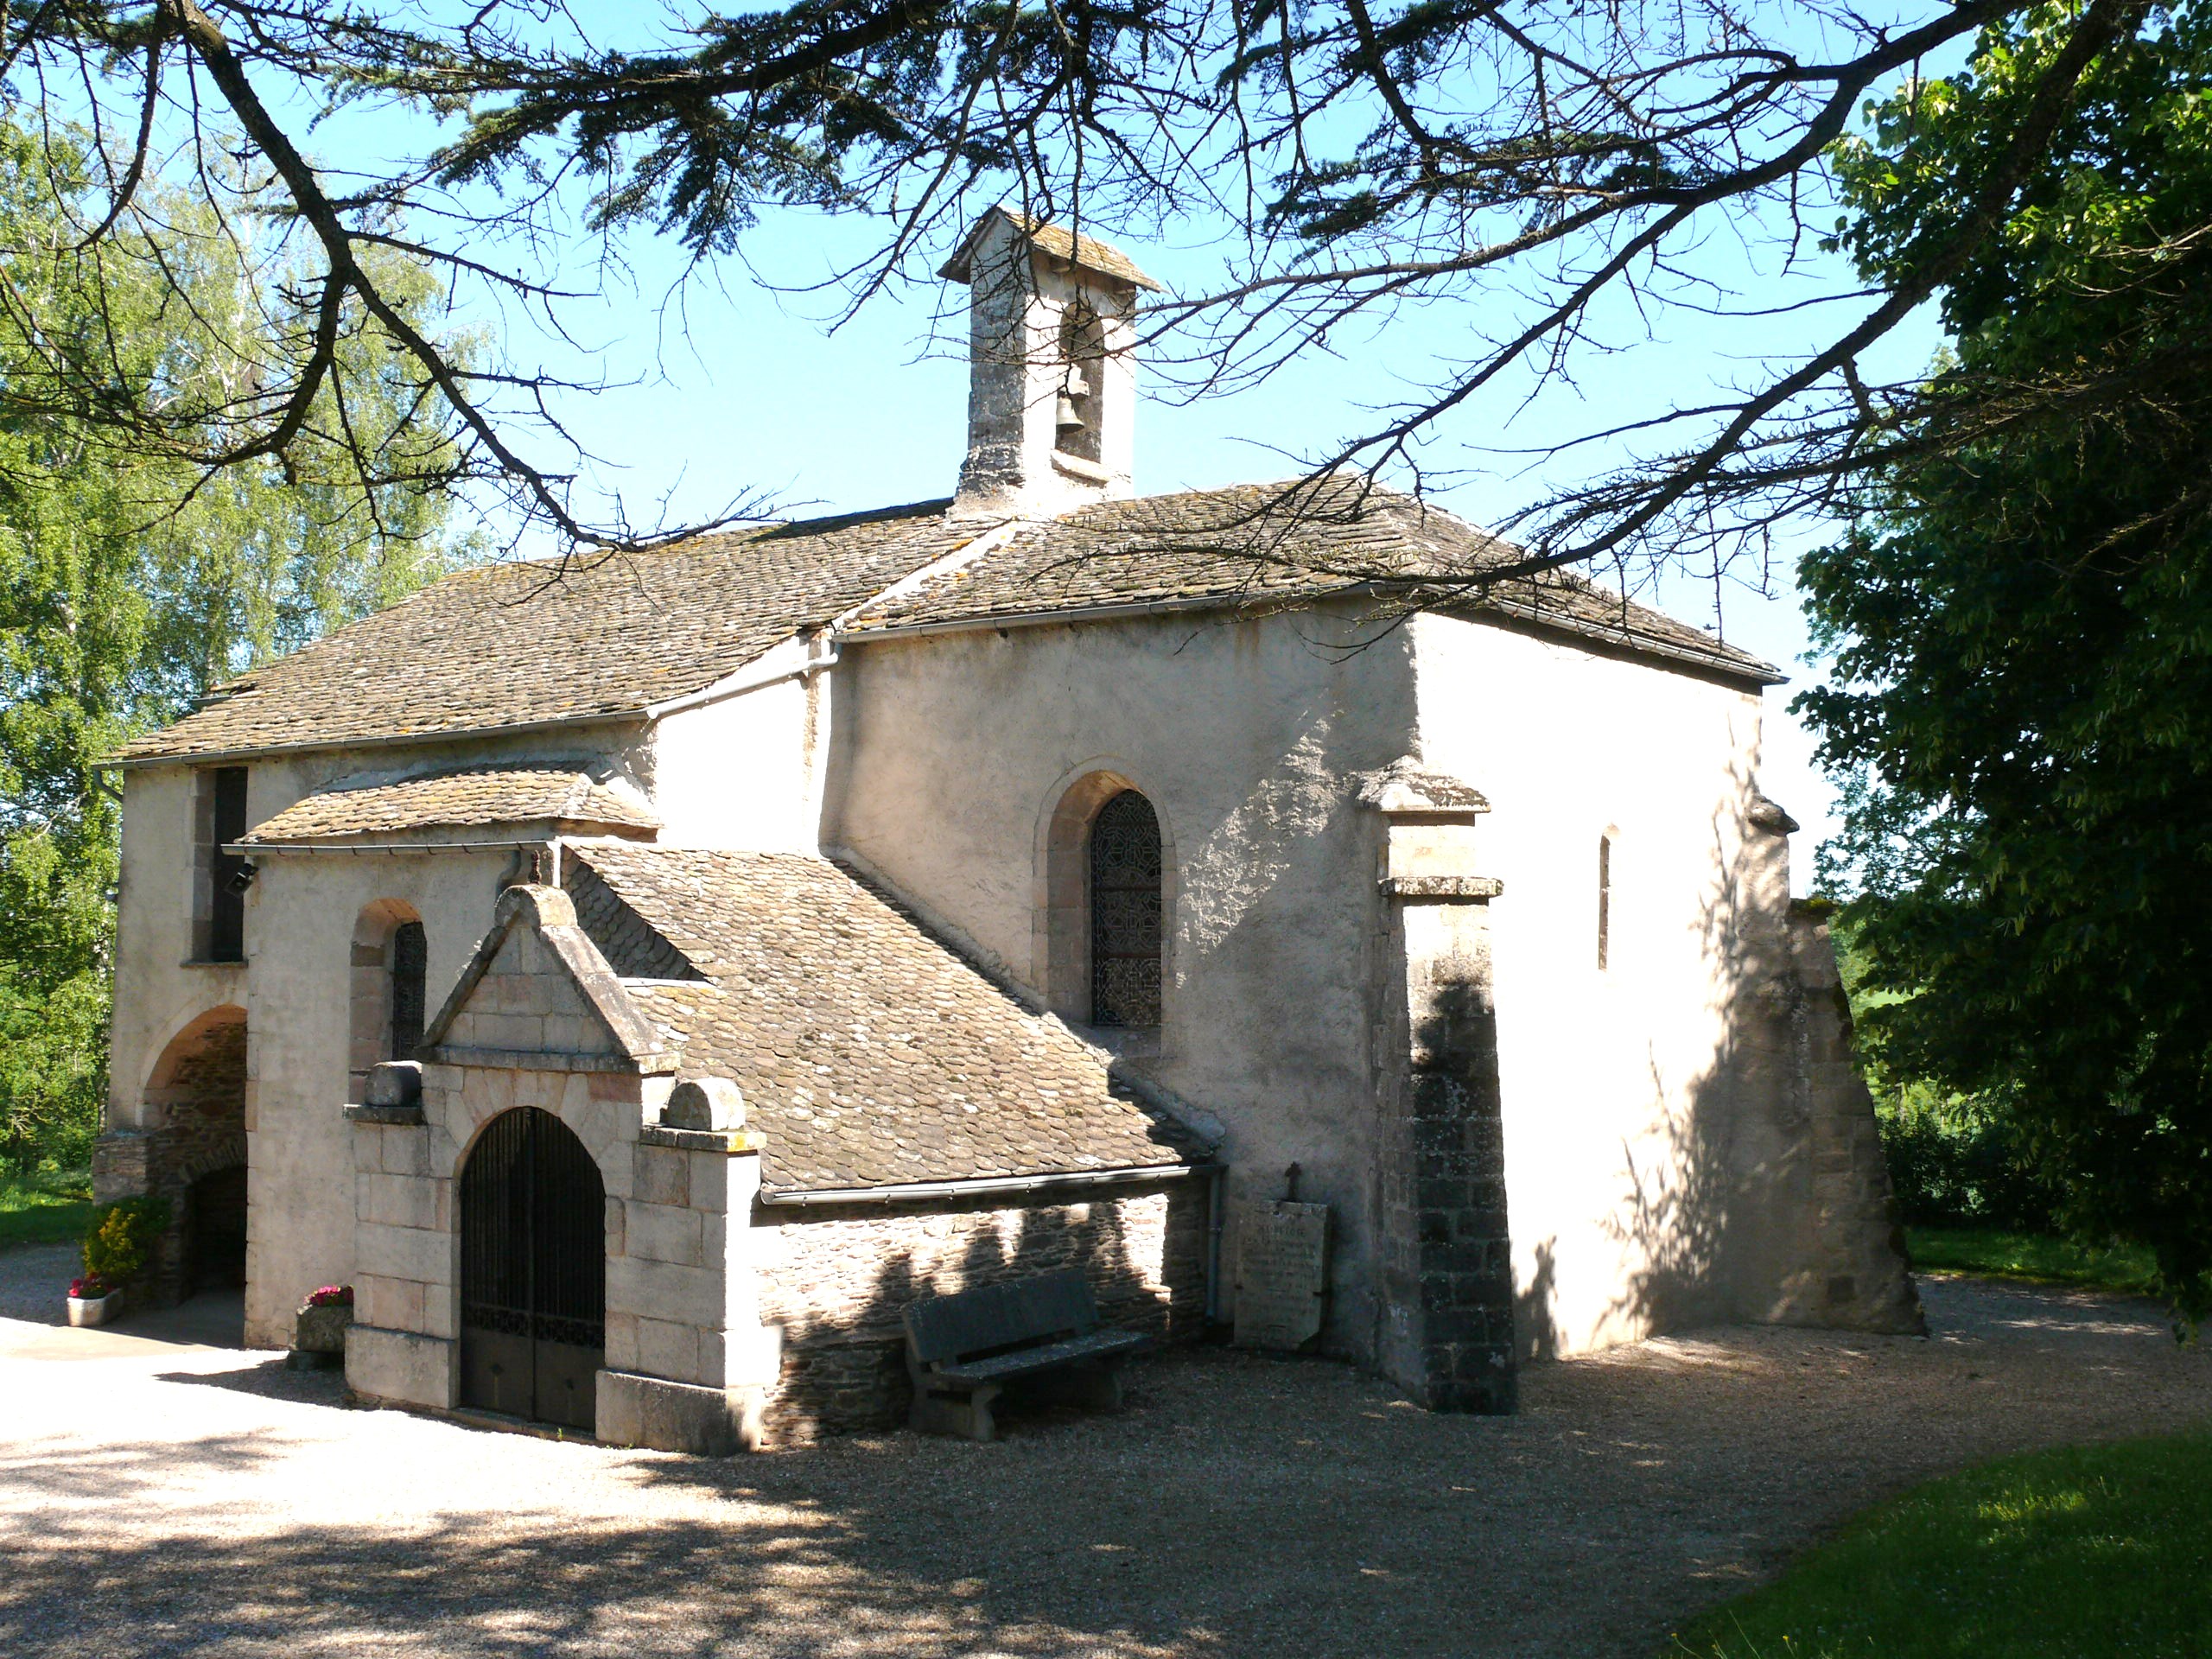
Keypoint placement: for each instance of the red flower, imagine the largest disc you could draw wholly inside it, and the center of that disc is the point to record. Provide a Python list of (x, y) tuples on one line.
[(90, 1289), (333, 1296)]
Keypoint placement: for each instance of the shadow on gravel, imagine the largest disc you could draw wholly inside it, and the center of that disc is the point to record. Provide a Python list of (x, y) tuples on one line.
[(122, 1475), (271, 1379), (1242, 1508), (795, 1589)]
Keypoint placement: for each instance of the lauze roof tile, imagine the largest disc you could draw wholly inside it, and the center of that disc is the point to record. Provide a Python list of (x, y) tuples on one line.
[(477, 796), (870, 1054), (523, 644)]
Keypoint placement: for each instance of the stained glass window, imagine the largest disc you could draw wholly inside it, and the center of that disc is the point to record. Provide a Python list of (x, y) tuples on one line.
[(1125, 913), (409, 958)]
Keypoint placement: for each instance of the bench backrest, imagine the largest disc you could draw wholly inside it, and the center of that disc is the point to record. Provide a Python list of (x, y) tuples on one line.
[(992, 1318)]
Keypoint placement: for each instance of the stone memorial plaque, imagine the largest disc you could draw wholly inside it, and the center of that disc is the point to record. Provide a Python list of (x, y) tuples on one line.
[(1282, 1272)]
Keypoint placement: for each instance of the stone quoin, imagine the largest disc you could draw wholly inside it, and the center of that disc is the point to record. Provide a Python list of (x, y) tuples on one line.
[(642, 986)]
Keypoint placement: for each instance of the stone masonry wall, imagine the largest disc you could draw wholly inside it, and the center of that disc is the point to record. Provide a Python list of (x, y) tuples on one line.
[(838, 1281), (1853, 1273), (1446, 1265)]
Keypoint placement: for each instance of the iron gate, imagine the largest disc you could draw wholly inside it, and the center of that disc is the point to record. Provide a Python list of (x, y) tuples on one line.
[(533, 1271)]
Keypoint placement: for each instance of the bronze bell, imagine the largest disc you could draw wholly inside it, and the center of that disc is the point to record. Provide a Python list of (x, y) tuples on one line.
[(1065, 414)]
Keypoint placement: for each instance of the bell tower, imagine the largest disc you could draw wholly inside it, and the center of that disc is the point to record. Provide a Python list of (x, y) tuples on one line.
[(1051, 388)]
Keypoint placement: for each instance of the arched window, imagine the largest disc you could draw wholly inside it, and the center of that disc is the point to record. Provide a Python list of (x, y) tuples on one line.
[(1125, 913), (388, 989), (409, 959)]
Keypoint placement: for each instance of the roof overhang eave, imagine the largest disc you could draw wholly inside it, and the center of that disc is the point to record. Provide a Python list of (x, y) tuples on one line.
[(908, 1192), (1492, 610), (639, 715)]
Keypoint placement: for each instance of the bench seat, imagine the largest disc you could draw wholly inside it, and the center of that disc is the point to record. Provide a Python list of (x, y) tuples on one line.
[(999, 1367), (963, 1348)]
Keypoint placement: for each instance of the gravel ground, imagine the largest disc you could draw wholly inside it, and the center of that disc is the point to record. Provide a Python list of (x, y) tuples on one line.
[(161, 1498)]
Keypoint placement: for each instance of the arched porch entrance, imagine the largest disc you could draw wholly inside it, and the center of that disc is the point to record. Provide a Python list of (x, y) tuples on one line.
[(533, 1271), (194, 1118)]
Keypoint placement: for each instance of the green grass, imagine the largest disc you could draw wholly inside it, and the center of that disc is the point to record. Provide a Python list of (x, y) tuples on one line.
[(2082, 1553), (51, 1207), (2124, 1267)]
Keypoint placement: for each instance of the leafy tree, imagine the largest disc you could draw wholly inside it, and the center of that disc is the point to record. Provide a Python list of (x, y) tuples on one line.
[(1543, 170), (131, 580), (2022, 630), (1955, 1159)]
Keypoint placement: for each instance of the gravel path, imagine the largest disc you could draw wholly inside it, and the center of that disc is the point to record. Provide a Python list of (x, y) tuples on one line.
[(161, 1499)]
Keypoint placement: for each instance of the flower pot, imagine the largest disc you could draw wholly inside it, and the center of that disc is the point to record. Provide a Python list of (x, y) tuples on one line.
[(321, 1330), (95, 1310)]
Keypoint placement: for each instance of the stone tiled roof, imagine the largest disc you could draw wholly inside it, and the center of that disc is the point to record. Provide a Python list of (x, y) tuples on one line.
[(870, 1054), (479, 796), (1056, 240), (633, 947), (511, 645), (1262, 546), (521, 644)]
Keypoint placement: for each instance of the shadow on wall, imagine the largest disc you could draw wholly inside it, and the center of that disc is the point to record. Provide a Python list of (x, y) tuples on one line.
[(1755, 1188), (1535, 1334), (846, 1371), (1685, 1224)]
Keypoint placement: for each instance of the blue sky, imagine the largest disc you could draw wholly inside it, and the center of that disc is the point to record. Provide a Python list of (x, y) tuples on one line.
[(739, 384), (741, 388)]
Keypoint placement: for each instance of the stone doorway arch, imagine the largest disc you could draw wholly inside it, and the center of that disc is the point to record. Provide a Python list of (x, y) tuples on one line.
[(533, 1271), (193, 1121)]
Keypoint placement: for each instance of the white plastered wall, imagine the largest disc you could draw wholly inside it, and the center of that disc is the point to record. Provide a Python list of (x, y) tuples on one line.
[(738, 772), (295, 983), (1620, 1113), (951, 752)]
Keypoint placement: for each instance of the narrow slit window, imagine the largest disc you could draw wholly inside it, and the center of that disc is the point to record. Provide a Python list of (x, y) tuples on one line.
[(221, 931), (409, 962), (1125, 913), (1605, 900)]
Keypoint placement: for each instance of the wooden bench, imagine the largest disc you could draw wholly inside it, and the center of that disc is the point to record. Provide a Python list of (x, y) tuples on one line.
[(962, 1350)]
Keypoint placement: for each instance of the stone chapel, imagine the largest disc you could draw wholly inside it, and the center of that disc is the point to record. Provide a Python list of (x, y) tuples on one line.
[(641, 985)]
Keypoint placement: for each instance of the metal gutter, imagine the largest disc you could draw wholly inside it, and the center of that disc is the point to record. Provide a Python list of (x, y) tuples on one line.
[(1535, 616), (251, 849), (982, 1185), (752, 677)]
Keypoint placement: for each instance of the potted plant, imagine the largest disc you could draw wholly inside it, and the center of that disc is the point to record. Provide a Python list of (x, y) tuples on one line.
[(319, 1328), (92, 1300), (116, 1251)]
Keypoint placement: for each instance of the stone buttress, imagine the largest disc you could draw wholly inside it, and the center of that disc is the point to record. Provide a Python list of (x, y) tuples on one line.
[(1445, 1253)]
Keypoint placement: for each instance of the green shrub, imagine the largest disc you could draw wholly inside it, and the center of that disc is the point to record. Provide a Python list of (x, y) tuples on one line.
[(1956, 1161), (122, 1241)]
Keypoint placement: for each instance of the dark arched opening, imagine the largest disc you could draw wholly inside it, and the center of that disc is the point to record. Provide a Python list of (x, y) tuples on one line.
[(1125, 913), (215, 1231), (195, 1151), (533, 1271), (391, 961)]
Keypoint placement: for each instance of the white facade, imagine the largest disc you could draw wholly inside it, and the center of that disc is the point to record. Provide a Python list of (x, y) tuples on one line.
[(1427, 891)]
